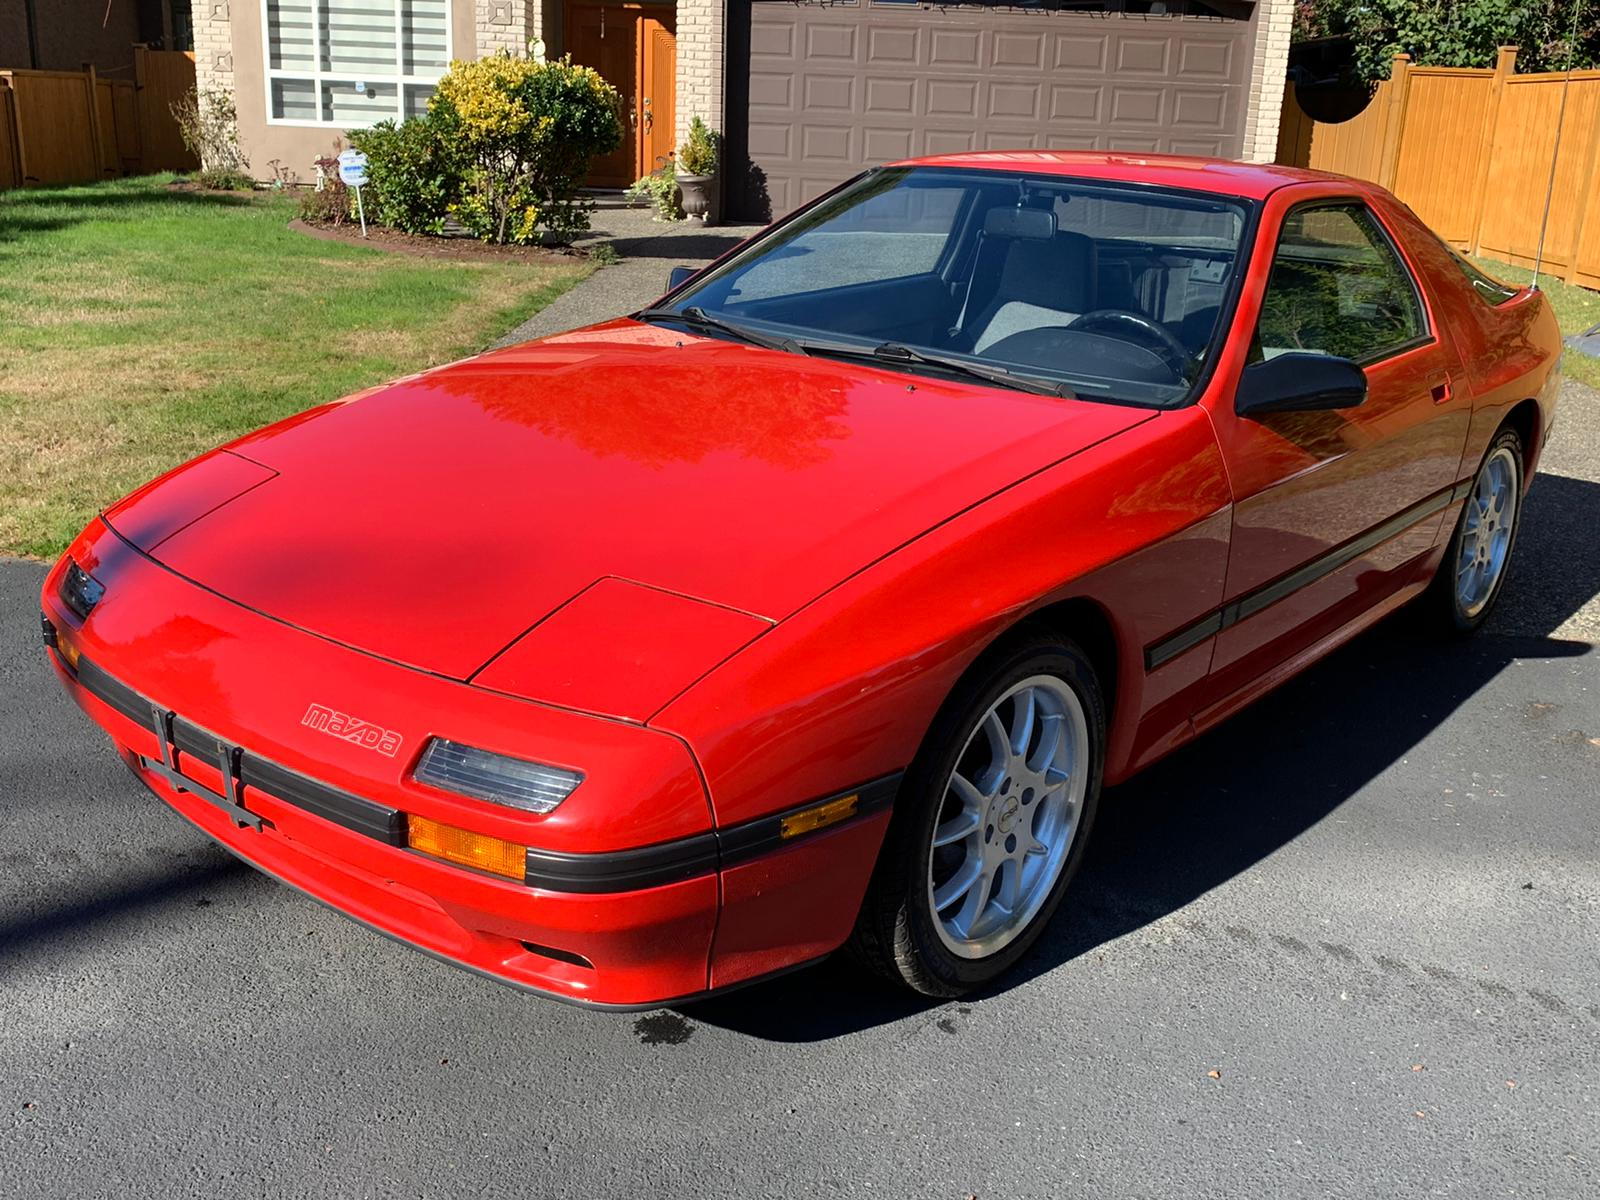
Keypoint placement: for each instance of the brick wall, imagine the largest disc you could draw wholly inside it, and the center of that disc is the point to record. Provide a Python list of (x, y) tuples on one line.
[(213, 44), (702, 37), (1273, 19), (507, 25)]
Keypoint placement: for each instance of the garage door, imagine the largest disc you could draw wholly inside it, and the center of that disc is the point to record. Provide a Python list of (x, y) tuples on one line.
[(829, 89)]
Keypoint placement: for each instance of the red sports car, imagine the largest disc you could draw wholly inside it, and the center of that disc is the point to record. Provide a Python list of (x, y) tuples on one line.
[(815, 603)]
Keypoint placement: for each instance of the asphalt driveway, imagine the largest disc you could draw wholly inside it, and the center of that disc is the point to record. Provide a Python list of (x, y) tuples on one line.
[(1348, 945)]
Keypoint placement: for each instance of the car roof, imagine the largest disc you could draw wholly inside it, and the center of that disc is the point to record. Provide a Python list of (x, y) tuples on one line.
[(1220, 175)]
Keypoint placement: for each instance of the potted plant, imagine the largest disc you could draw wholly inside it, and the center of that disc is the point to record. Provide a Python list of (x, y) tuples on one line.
[(659, 190), (697, 171)]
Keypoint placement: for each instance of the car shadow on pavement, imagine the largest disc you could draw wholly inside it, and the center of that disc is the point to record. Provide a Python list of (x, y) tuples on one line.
[(1213, 809), (120, 898), (694, 248)]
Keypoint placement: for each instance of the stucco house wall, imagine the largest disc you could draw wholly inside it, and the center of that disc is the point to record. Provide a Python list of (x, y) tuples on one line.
[(229, 55)]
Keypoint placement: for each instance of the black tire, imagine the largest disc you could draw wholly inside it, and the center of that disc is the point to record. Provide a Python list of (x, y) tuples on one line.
[(1440, 608), (894, 934)]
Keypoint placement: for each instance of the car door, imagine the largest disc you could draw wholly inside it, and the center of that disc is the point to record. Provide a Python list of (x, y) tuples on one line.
[(1333, 509)]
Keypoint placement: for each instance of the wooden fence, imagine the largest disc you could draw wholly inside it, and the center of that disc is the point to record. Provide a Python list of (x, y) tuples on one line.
[(163, 78), (1470, 150), (10, 164), (74, 126)]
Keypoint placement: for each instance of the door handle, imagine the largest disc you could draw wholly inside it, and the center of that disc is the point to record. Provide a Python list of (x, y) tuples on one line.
[(1442, 392)]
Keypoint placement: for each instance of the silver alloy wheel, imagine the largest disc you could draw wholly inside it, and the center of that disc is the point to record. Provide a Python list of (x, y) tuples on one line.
[(1486, 531), (1011, 810)]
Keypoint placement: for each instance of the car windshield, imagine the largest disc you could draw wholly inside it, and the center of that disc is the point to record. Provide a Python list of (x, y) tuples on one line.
[(1072, 286)]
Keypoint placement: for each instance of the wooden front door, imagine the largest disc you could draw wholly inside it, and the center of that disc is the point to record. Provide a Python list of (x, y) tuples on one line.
[(635, 48)]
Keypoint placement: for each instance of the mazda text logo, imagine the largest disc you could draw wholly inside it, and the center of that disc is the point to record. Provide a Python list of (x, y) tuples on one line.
[(343, 725)]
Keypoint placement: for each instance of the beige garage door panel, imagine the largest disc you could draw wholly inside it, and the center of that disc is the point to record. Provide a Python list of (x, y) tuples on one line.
[(834, 89)]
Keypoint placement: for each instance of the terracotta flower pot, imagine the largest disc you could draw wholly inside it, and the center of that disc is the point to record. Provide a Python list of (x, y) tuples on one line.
[(697, 193)]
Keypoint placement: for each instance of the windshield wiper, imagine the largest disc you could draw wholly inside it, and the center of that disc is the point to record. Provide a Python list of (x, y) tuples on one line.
[(889, 352), (699, 318), (895, 352)]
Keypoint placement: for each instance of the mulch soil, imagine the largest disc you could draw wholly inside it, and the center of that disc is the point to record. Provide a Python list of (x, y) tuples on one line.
[(459, 249)]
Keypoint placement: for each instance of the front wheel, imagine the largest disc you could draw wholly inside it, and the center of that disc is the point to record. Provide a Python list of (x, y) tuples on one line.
[(991, 821)]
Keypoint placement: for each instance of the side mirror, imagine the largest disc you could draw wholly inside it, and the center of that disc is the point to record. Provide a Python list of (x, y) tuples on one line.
[(1298, 382), (680, 275)]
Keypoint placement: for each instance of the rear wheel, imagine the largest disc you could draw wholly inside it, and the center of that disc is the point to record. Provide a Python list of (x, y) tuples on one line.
[(991, 822), (1473, 572)]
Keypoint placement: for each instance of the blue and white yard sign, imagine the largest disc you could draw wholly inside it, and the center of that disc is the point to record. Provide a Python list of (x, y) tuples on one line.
[(353, 173), (353, 168)]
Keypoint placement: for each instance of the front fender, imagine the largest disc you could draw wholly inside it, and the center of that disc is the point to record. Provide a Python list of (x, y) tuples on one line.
[(845, 690)]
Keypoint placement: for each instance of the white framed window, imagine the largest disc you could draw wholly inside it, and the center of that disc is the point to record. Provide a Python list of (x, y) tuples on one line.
[(352, 63)]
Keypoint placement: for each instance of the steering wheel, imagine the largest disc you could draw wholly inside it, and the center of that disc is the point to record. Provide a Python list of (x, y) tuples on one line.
[(1118, 320)]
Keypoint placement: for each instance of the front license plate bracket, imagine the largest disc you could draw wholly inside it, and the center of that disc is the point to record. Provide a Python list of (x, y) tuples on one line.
[(232, 802)]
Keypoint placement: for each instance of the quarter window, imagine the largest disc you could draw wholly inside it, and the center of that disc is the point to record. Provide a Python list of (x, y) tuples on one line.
[(1338, 287), (353, 63), (1487, 287)]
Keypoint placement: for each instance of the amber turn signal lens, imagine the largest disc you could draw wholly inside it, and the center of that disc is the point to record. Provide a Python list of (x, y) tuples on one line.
[(830, 813), (466, 848), (68, 650)]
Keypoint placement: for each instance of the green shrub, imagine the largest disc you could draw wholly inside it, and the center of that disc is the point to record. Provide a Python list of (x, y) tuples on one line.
[(659, 189), (698, 154), (222, 179), (526, 131), (1455, 33), (330, 206), (414, 172)]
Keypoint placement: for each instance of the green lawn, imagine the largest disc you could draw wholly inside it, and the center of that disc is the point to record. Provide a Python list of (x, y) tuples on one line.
[(1576, 309), (140, 326)]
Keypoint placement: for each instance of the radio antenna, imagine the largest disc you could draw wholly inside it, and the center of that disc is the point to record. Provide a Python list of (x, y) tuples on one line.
[(1555, 150)]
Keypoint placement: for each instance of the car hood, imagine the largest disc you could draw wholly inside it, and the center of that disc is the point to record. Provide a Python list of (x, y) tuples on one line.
[(436, 520)]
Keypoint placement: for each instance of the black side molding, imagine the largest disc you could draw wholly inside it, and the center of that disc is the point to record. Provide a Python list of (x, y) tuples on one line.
[(670, 862), (1252, 602), (752, 839), (622, 870)]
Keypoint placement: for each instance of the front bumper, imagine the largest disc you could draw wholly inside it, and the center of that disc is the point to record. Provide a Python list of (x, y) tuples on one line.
[(625, 882), (473, 922)]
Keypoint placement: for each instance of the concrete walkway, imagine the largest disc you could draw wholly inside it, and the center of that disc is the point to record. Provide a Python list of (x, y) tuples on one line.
[(648, 248)]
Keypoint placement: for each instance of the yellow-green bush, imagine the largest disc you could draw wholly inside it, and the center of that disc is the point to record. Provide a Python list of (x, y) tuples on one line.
[(699, 152), (527, 131)]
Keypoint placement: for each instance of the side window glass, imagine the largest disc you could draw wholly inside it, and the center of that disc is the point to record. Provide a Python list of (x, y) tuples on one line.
[(1337, 287)]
